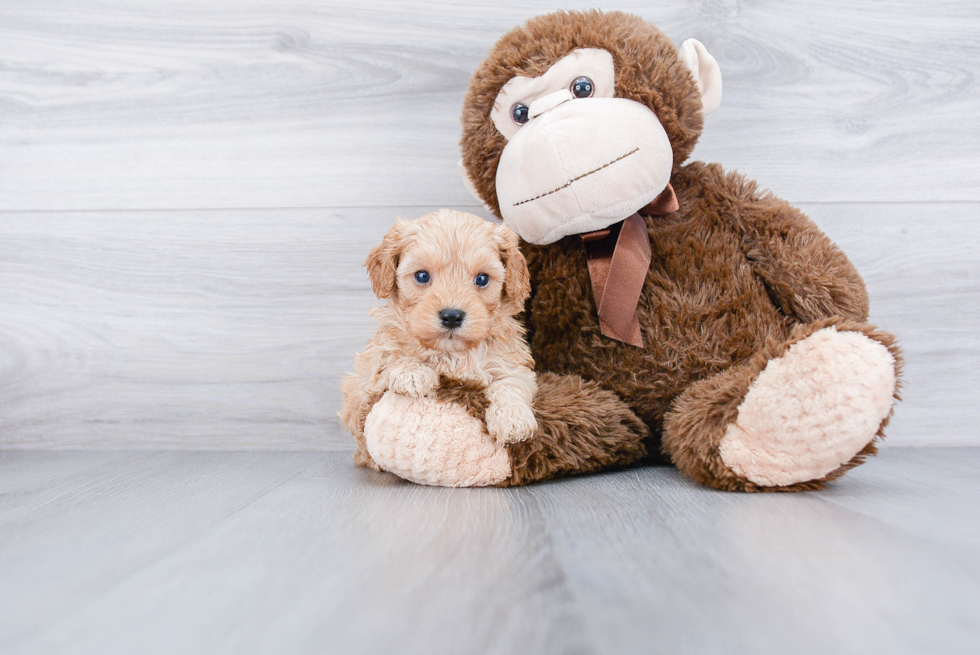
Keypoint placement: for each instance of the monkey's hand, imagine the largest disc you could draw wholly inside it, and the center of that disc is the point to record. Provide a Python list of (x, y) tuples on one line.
[(411, 379)]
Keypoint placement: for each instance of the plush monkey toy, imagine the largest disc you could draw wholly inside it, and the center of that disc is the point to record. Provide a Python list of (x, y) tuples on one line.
[(722, 316)]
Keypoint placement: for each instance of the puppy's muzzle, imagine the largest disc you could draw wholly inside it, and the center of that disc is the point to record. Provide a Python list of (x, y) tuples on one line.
[(452, 318)]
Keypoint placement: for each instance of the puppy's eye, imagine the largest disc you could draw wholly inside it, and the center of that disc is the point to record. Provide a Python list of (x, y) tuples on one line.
[(520, 113), (422, 277), (582, 87), (482, 280)]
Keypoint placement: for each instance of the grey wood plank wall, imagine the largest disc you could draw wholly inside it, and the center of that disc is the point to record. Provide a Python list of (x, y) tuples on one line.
[(187, 191)]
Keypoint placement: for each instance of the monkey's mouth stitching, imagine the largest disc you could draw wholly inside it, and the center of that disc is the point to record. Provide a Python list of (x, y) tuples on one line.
[(576, 179)]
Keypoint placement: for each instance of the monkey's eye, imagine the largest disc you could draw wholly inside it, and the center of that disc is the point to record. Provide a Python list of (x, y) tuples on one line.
[(582, 87), (482, 280), (422, 277), (519, 112)]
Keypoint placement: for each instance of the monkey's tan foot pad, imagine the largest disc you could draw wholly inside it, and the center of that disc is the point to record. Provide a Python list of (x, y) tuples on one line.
[(811, 410), (433, 442)]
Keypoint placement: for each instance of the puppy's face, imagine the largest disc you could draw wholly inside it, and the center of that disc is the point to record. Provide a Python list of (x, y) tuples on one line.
[(451, 276)]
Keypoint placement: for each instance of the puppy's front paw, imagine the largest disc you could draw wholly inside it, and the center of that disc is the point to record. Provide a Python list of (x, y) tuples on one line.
[(509, 423), (414, 381)]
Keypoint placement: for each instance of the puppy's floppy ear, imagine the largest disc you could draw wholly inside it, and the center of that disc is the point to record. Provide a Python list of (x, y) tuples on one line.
[(517, 280), (382, 263)]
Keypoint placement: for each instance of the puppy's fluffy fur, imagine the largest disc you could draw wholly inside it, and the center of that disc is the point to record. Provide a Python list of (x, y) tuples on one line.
[(412, 352)]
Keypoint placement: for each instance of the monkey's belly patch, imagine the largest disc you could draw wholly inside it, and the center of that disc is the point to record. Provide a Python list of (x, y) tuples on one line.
[(432, 442)]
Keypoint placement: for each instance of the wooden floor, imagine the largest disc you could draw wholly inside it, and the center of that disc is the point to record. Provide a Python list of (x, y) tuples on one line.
[(247, 552)]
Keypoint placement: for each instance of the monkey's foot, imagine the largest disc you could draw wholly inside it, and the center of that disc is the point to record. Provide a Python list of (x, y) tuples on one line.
[(811, 410), (800, 413), (432, 442)]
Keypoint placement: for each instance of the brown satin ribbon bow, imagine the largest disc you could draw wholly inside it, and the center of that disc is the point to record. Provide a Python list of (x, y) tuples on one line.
[(619, 258)]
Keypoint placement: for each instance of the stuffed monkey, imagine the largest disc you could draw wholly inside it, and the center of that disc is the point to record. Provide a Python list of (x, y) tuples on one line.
[(720, 314)]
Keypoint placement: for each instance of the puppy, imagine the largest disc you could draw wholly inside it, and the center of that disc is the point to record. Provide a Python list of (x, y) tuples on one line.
[(454, 284)]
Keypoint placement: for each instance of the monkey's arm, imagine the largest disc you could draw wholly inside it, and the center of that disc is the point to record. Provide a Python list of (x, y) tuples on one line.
[(807, 276)]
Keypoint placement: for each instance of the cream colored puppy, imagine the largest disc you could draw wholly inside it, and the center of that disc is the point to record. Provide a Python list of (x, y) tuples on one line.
[(454, 283)]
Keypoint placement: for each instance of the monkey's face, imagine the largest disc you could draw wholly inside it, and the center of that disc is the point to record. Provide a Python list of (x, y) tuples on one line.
[(577, 159), (591, 114)]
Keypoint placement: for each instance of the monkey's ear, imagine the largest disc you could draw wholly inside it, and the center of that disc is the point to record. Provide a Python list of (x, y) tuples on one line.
[(468, 183), (382, 263), (706, 73), (517, 280)]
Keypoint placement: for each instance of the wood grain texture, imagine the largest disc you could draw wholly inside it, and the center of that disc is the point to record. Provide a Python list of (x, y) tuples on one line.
[(231, 329), (304, 553), (262, 103), (712, 572), (931, 493), (71, 537), (922, 269), (338, 560), (194, 329)]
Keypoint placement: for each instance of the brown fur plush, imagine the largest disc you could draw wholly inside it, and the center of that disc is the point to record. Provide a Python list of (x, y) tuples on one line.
[(716, 292), (737, 275), (582, 428)]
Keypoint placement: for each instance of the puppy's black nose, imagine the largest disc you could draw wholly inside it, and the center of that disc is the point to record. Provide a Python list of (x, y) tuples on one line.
[(452, 318)]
